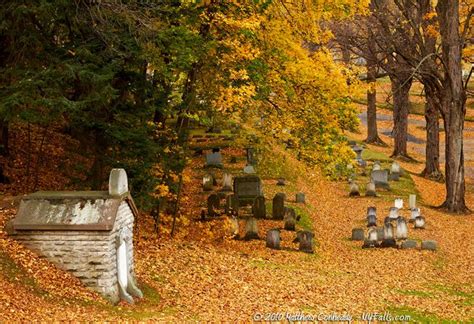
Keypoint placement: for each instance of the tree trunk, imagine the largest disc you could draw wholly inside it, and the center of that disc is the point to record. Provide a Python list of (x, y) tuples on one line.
[(432, 170), (400, 90), (372, 133), (453, 97), (4, 147)]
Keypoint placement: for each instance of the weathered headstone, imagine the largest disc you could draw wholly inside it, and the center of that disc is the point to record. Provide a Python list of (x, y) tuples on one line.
[(273, 239), (409, 244), (247, 188), (227, 182), (278, 206), (290, 219), (415, 212), (398, 203), (380, 235), (118, 182), (395, 171), (213, 205), (249, 169), (306, 241), (207, 182), (380, 178), (354, 190), (370, 190), (214, 160), (393, 214), (429, 245), (388, 236), (358, 234), (371, 220), (251, 229), (412, 201), (372, 238), (300, 198), (420, 222), (258, 208), (281, 182), (371, 210), (402, 229)]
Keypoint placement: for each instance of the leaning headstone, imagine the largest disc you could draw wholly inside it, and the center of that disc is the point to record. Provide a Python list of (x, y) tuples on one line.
[(371, 220), (278, 206), (281, 182), (273, 239), (251, 229), (395, 171), (249, 169), (409, 244), (429, 245), (370, 190), (306, 241), (227, 182), (214, 160), (420, 222), (412, 201), (358, 234), (415, 212), (207, 182), (213, 205), (290, 219), (380, 178), (398, 203), (402, 229), (393, 214), (258, 208), (300, 198), (354, 190)]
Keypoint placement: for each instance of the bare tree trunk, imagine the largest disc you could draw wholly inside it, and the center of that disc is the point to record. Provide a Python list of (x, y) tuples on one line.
[(372, 132), (432, 170), (400, 90), (453, 98)]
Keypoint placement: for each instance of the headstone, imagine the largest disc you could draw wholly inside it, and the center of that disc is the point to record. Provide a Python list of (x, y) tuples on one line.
[(429, 245), (354, 190), (251, 229), (420, 222), (370, 190), (247, 188), (214, 160), (290, 219), (415, 212), (251, 156), (226, 182), (306, 241), (376, 166), (371, 220), (402, 229), (118, 182), (273, 239), (213, 205), (281, 182), (232, 205), (398, 203), (249, 169), (380, 235), (372, 238), (409, 244), (258, 208), (358, 234), (380, 178), (278, 206), (300, 198), (412, 201), (395, 171), (388, 237), (371, 210), (207, 182), (393, 214), (358, 150)]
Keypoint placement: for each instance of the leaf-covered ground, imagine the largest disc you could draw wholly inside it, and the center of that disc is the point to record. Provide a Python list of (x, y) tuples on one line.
[(202, 275)]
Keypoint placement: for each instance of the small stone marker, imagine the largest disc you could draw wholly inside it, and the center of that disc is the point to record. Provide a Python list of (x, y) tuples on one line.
[(380, 178), (409, 244), (370, 190), (371, 220), (398, 203), (251, 229), (415, 212), (281, 182), (258, 208), (354, 190), (290, 219), (300, 198), (393, 214), (412, 201), (214, 160), (371, 211), (227, 182), (429, 245), (402, 229), (306, 241), (273, 239), (420, 222), (395, 171), (278, 206), (249, 169), (213, 205), (207, 182), (357, 234)]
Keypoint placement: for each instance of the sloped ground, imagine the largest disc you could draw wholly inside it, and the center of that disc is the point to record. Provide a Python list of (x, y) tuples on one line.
[(201, 275)]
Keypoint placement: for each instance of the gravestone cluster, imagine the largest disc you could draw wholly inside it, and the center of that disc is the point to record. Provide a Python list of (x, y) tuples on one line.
[(394, 230)]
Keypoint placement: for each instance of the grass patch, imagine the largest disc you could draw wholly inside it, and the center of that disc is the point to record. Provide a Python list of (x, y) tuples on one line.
[(415, 316), (305, 221), (418, 293), (370, 155)]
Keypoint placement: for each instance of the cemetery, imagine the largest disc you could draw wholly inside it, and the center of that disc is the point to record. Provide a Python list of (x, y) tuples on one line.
[(237, 161)]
